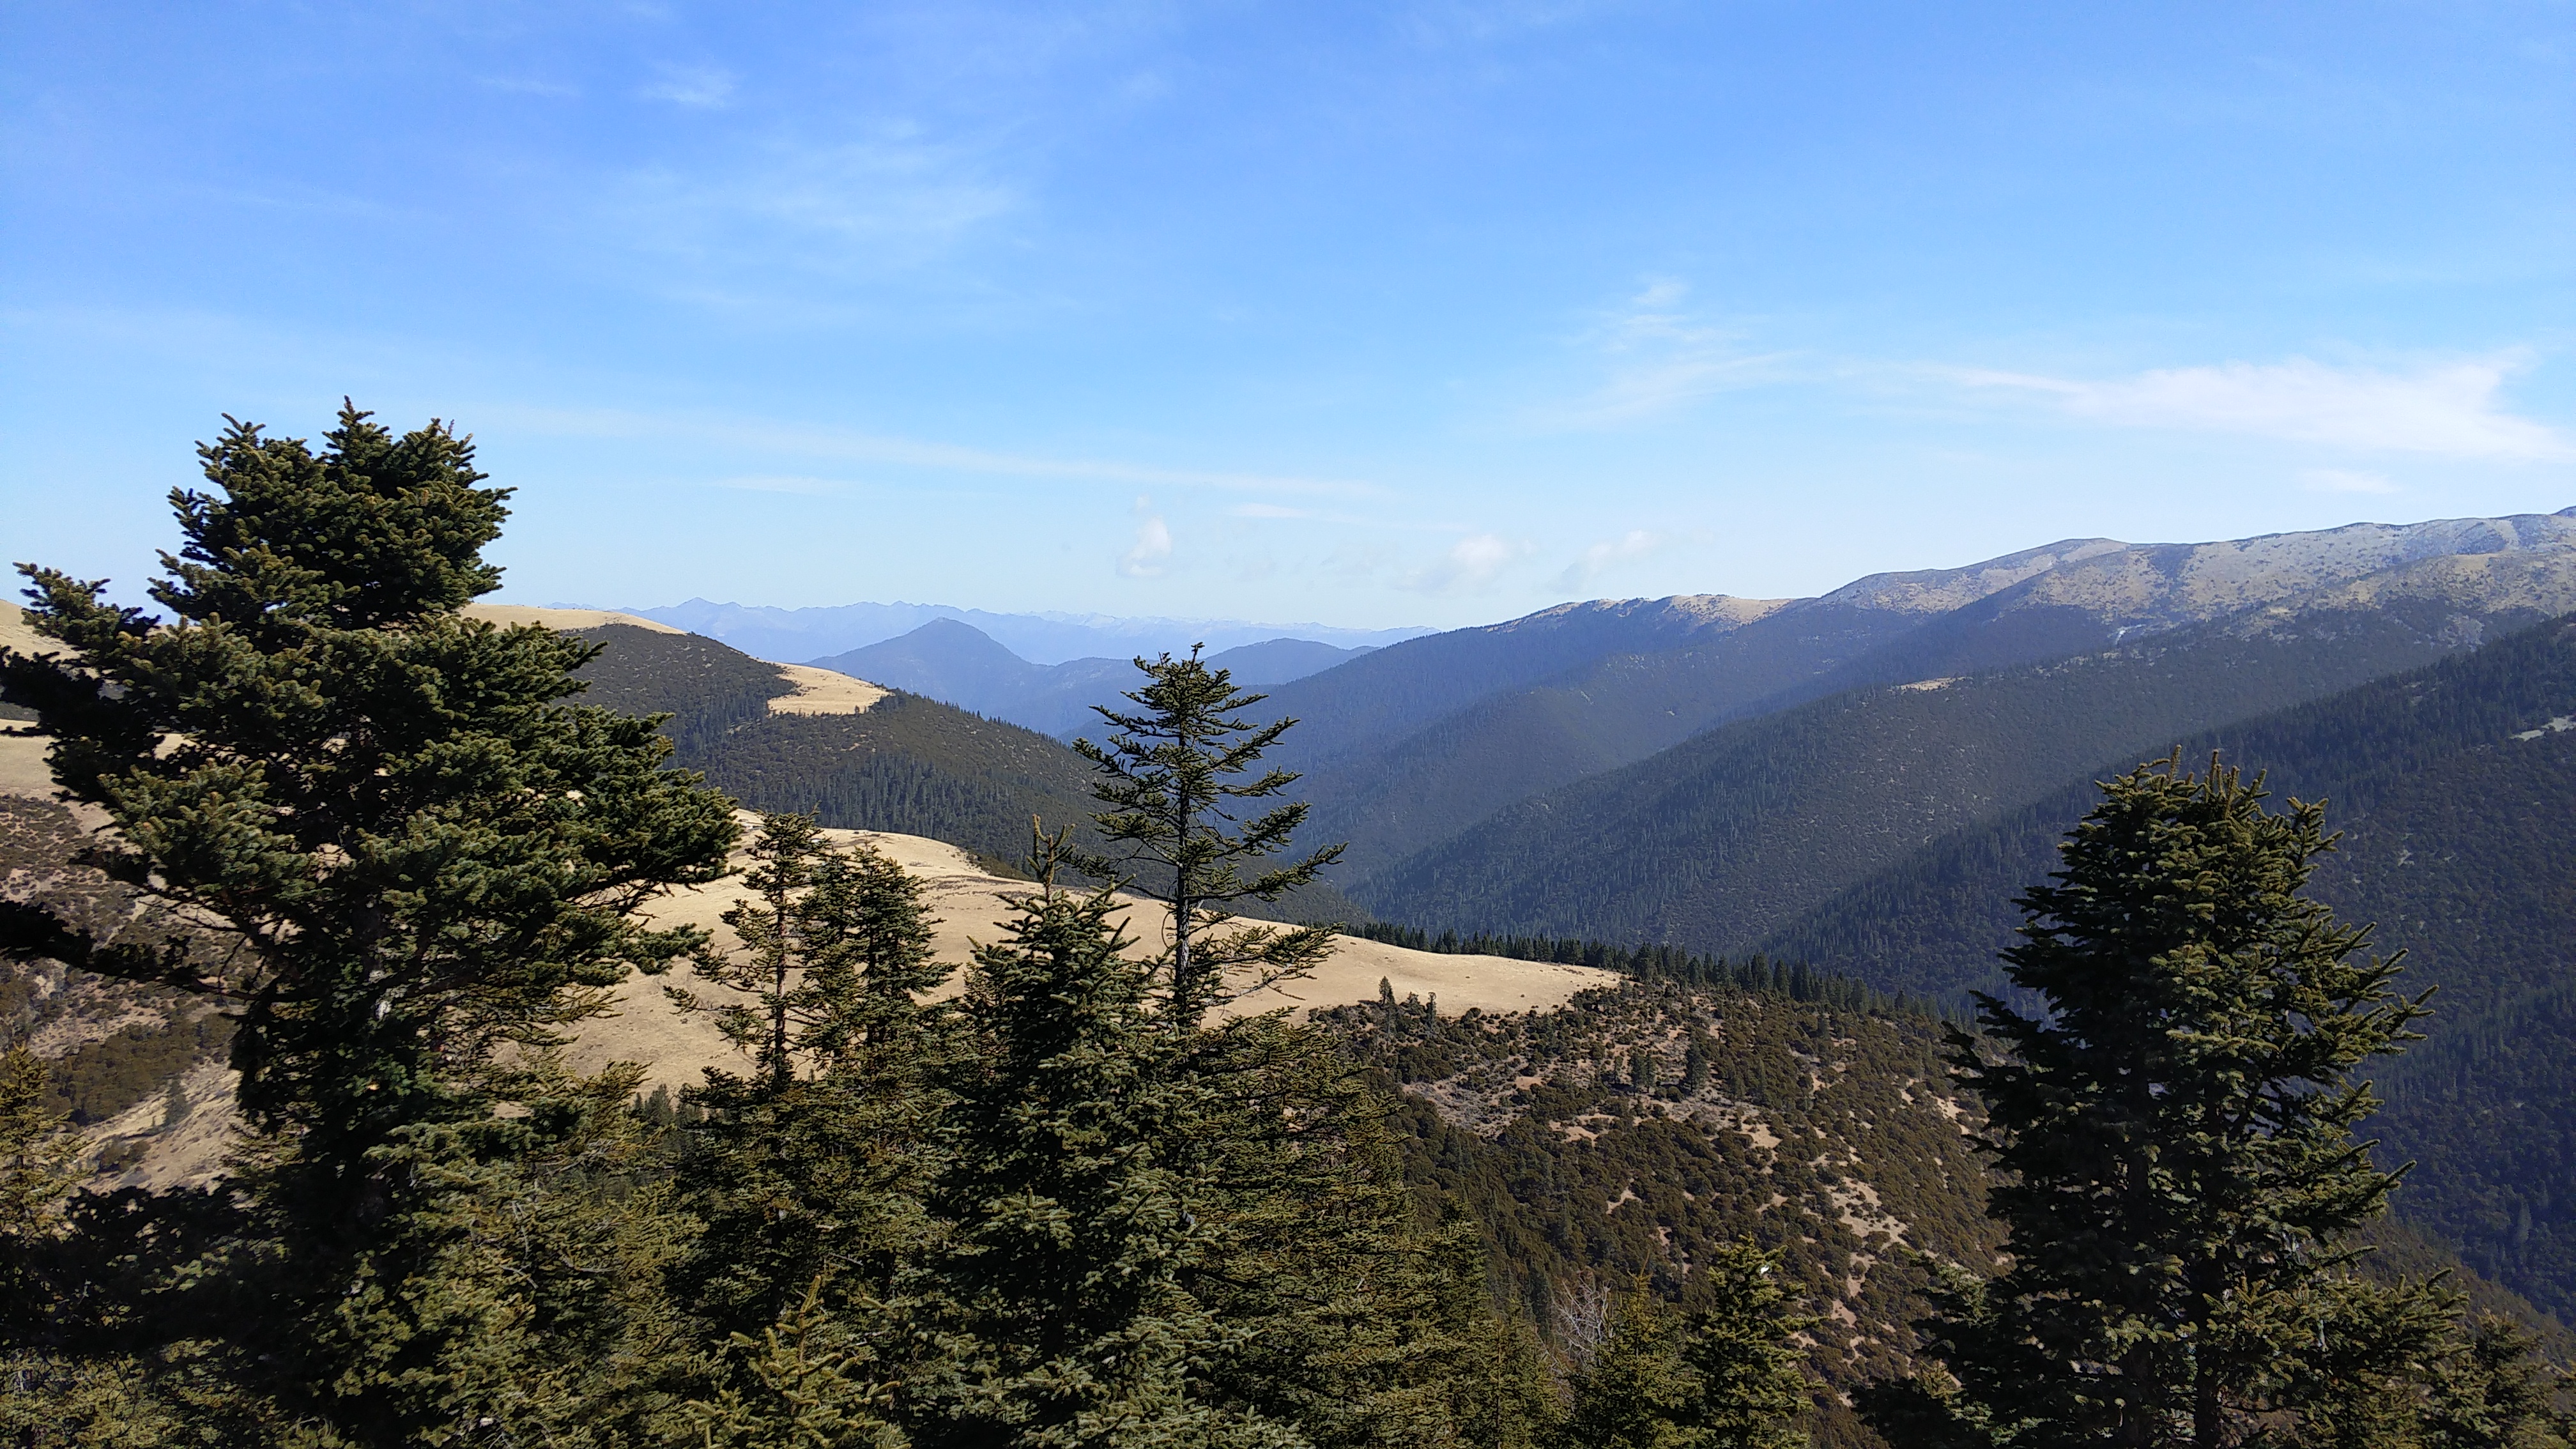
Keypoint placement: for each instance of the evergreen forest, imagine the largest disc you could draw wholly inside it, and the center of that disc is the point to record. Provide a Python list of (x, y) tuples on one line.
[(2084, 1151)]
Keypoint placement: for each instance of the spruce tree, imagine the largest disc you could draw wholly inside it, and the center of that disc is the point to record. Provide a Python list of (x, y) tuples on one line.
[(1750, 1390), (1061, 1312), (1337, 1305), (429, 862), (807, 1173), (776, 929), (1352, 1318), (2172, 1125), (1724, 1377), (1636, 1391), (1171, 775)]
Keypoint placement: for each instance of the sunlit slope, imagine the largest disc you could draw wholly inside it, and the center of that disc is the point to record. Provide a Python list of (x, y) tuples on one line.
[(972, 904)]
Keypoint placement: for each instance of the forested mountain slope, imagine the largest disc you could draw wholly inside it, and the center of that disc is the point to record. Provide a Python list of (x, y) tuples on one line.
[(904, 764), (1421, 774), (2455, 787), (1624, 1136), (1721, 841), (2445, 863), (1628, 1134)]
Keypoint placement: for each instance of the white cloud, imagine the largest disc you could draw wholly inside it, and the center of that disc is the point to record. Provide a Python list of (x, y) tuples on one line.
[(699, 87), (1145, 557), (2344, 480), (2451, 409), (1471, 563), (813, 440), (1661, 356), (1636, 543)]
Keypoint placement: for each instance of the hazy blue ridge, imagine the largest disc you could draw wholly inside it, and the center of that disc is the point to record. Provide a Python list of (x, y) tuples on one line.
[(954, 662), (792, 635)]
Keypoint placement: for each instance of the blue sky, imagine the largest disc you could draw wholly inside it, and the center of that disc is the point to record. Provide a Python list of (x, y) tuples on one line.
[(1368, 314)]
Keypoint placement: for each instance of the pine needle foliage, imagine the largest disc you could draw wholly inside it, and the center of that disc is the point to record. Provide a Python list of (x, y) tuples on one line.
[(2174, 1143), (1636, 1390), (1172, 776), (1062, 1310), (807, 1174), (1725, 1376), (428, 862)]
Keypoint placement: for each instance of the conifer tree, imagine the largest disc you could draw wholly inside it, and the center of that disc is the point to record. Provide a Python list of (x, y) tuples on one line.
[(807, 1174), (1724, 1377), (1340, 1307), (429, 862), (2174, 1137), (1062, 1311), (39, 1162), (776, 928), (1171, 775), (1636, 1391), (1749, 1390), (1354, 1321)]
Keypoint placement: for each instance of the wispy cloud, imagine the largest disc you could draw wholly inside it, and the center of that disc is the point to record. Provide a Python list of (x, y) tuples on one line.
[(780, 483), (886, 201), (698, 87), (1660, 356), (2451, 409), (843, 444), (1636, 543), (1471, 563), (2344, 480)]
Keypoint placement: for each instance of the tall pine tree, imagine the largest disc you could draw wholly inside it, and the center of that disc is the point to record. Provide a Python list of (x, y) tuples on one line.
[(1062, 1311), (2173, 1131), (807, 1174), (1171, 776), (430, 863)]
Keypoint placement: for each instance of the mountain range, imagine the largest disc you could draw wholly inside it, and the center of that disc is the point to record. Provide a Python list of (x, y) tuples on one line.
[(1409, 748), (952, 661), (789, 635), (1861, 782)]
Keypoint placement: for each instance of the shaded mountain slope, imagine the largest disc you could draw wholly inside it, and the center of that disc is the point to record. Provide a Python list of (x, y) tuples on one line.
[(904, 764), (2455, 789), (1425, 776), (1721, 841), (1373, 701), (2395, 759)]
